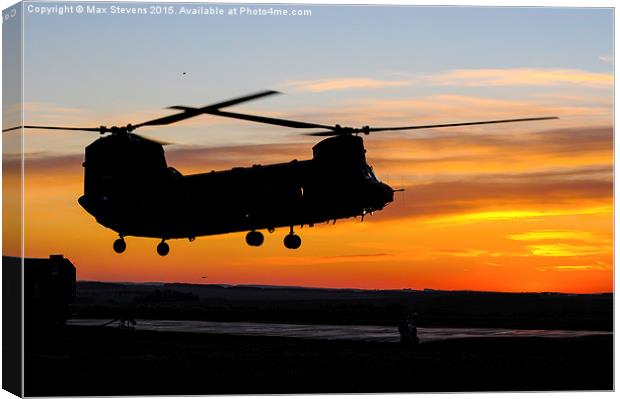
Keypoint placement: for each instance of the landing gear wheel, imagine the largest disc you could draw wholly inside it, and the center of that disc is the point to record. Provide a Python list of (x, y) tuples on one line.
[(254, 238), (292, 241), (163, 248), (119, 246)]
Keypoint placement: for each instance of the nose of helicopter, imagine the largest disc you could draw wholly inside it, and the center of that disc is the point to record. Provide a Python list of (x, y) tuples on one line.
[(388, 193), (384, 194)]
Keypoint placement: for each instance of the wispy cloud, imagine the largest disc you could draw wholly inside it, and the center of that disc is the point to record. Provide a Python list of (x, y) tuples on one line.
[(466, 78), (446, 108), (543, 174), (552, 235), (524, 214), (606, 58), (466, 252), (564, 250), (345, 83), (520, 77), (597, 265), (564, 243), (475, 199)]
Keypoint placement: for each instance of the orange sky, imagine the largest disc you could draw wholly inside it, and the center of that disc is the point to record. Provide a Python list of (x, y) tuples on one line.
[(514, 207), (481, 211)]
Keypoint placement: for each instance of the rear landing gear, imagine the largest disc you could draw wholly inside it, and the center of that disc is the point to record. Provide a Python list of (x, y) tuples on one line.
[(254, 238), (163, 248), (119, 245), (292, 240)]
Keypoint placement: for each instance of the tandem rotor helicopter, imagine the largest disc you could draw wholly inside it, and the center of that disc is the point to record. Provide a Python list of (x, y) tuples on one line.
[(129, 188)]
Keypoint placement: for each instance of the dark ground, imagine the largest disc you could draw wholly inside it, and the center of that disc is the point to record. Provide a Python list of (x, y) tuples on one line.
[(110, 361)]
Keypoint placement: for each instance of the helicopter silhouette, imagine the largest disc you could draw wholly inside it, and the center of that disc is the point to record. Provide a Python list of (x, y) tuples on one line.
[(130, 189)]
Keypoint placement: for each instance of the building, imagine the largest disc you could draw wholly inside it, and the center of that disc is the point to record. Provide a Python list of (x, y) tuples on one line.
[(49, 288)]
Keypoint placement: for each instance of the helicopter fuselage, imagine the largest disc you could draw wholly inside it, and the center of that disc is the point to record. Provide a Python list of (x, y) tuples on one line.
[(129, 188)]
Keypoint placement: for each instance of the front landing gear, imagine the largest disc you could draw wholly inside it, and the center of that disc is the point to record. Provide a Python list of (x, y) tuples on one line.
[(292, 240), (163, 248), (119, 245)]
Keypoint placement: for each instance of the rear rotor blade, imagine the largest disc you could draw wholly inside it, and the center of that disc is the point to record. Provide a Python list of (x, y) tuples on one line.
[(383, 129)]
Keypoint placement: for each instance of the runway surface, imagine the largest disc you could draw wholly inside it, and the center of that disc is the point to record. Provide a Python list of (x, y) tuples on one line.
[(333, 332)]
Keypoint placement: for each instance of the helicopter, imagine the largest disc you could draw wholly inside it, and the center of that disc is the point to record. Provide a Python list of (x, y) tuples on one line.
[(130, 189)]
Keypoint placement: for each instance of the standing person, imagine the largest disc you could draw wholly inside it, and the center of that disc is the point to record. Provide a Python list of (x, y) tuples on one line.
[(408, 331), (413, 330), (404, 329)]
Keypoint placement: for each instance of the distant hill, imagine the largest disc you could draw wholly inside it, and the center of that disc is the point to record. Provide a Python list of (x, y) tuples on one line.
[(344, 306)]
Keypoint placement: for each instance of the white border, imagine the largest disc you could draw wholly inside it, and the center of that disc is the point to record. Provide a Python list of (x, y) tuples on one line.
[(486, 3)]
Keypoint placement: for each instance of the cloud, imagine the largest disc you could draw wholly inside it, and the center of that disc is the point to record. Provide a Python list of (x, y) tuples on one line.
[(521, 77), (50, 108), (369, 255), (432, 150), (606, 58), (552, 235), (564, 243), (460, 178), (329, 259), (523, 214), (548, 141), (204, 159), (474, 199), (467, 78), (465, 253), (564, 249), (569, 96), (438, 108), (570, 154), (452, 108), (42, 163), (347, 83), (563, 153), (575, 268)]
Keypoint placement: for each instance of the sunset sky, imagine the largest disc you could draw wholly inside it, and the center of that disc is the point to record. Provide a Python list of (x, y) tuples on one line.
[(518, 207)]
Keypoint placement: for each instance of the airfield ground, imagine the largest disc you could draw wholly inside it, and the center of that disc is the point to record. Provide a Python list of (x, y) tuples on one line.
[(79, 360), (109, 361)]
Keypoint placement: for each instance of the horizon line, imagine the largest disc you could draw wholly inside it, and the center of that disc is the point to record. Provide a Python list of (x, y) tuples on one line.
[(344, 288)]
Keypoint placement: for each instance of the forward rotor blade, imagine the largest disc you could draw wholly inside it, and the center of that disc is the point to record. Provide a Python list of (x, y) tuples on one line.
[(383, 129), (189, 112), (268, 120), (85, 129), (11, 128), (243, 99)]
